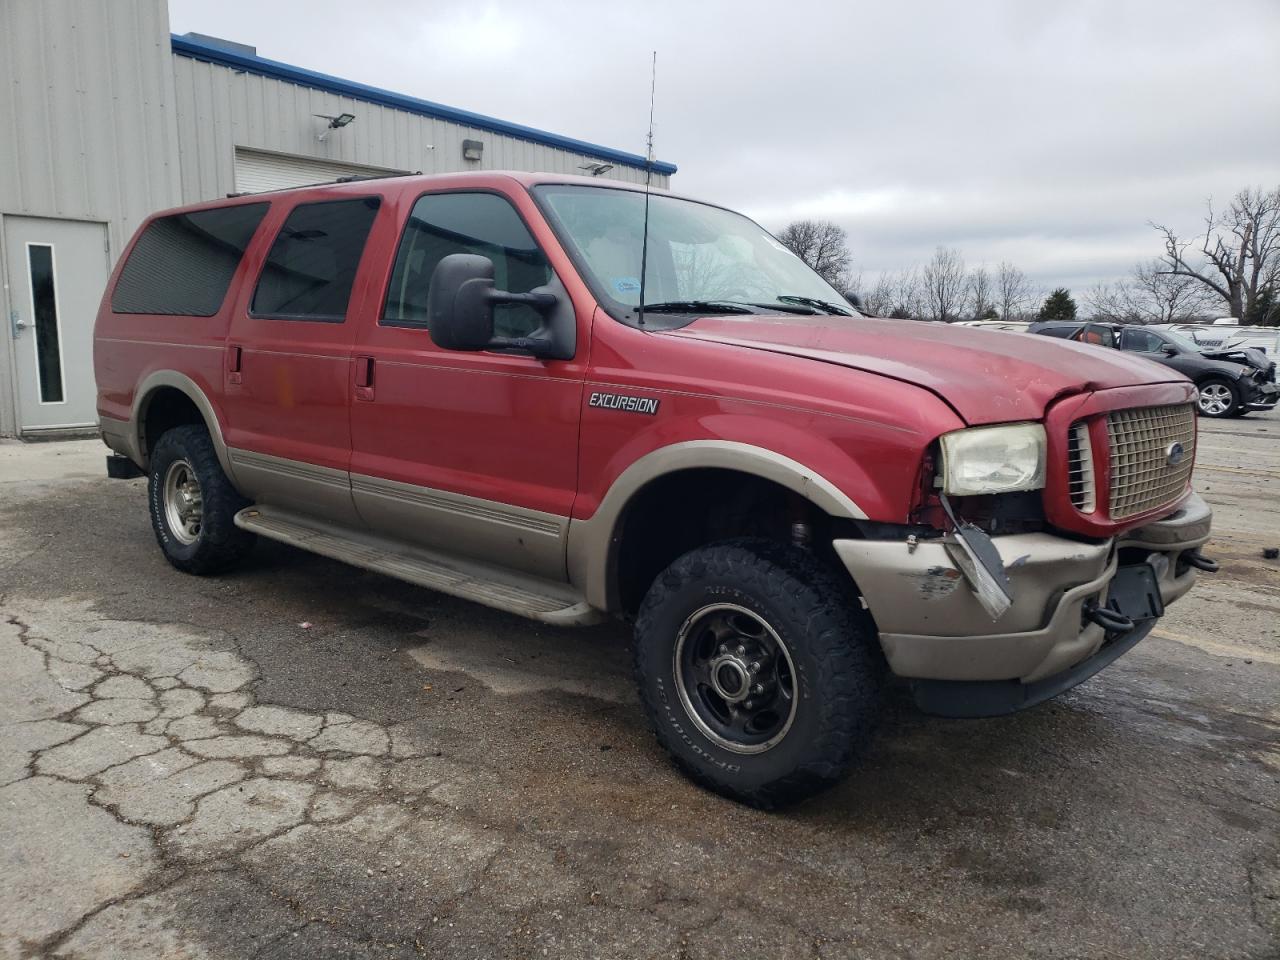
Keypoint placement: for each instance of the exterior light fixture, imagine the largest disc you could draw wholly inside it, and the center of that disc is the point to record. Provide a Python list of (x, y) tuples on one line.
[(335, 123), (472, 149), (596, 169)]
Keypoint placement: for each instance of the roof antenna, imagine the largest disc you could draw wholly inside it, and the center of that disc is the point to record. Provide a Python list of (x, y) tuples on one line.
[(648, 179)]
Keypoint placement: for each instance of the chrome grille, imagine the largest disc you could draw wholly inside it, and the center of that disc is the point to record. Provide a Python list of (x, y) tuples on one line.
[(1081, 483), (1140, 441)]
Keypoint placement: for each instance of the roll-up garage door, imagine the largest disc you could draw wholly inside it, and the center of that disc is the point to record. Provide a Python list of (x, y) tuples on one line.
[(257, 170)]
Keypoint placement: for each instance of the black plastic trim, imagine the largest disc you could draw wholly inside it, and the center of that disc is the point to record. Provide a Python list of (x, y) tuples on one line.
[(997, 698), (122, 468)]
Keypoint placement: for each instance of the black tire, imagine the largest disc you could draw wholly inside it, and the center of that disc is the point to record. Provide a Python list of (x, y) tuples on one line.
[(1218, 398), (838, 679), (213, 544)]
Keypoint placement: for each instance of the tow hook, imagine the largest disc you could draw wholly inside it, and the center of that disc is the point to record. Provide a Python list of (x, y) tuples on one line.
[(1201, 562), (1109, 620)]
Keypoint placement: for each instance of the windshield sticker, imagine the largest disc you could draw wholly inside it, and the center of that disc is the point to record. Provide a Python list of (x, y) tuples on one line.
[(778, 245), (626, 284)]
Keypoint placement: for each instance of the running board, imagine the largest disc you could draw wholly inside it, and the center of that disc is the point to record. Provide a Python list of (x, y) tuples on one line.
[(528, 596)]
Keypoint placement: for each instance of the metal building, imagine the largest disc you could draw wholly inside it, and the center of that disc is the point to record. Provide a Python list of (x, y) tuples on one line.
[(105, 117)]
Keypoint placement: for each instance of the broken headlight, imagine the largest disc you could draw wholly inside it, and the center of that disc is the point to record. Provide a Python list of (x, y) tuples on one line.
[(1003, 459)]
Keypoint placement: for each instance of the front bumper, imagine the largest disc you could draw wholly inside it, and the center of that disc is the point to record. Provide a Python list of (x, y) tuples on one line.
[(1261, 396), (932, 626)]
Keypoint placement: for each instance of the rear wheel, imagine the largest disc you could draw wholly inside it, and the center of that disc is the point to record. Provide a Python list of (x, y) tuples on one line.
[(757, 670), (1218, 397), (193, 504)]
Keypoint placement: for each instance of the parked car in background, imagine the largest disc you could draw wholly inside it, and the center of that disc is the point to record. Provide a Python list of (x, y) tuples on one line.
[(1230, 381)]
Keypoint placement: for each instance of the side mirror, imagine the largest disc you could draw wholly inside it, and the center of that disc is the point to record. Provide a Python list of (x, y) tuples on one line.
[(460, 306), (1168, 349)]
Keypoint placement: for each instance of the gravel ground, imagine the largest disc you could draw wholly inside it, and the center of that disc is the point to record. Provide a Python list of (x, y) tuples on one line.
[(306, 760)]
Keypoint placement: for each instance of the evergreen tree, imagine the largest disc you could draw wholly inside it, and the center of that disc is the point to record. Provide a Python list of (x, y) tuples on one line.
[(1058, 306)]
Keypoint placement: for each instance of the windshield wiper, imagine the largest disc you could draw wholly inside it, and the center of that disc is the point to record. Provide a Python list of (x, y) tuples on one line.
[(826, 305), (698, 306)]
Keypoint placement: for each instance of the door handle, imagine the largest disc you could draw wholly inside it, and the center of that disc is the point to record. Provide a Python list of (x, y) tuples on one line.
[(18, 323), (364, 378), (233, 363)]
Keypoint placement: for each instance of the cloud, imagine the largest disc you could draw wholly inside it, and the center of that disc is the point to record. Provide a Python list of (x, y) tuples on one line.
[(1046, 134)]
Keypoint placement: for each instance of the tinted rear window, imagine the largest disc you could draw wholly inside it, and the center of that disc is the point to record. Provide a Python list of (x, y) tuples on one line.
[(183, 264), (312, 264)]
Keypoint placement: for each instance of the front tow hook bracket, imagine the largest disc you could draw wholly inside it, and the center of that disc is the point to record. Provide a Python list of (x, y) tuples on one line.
[(1201, 562), (1107, 619)]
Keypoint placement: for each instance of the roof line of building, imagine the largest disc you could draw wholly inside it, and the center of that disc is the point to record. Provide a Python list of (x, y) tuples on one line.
[(186, 47)]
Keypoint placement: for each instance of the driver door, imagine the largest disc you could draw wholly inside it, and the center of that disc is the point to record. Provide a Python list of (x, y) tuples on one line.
[(471, 453)]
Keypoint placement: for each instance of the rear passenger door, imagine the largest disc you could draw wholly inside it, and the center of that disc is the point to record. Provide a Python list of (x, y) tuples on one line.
[(472, 453), (288, 358), (1097, 334)]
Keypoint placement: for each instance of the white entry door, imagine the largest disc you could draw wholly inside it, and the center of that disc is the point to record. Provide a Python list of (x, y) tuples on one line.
[(57, 270)]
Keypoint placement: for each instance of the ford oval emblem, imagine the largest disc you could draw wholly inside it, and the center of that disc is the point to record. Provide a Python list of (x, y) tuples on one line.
[(1174, 454)]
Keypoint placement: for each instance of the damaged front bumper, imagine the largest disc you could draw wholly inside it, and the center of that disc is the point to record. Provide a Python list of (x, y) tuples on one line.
[(1261, 396), (935, 631)]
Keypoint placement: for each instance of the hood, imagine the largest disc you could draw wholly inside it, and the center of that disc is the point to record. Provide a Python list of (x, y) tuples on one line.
[(1246, 356), (986, 376)]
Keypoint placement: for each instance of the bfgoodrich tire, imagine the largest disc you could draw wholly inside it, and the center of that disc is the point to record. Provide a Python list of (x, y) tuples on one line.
[(193, 504), (757, 670)]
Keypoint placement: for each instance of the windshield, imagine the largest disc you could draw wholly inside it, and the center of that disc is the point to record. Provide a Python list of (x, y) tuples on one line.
[(1181, 341), (698, 254)]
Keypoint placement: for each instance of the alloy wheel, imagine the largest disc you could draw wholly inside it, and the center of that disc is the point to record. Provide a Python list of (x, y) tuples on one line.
[(1215, 399)]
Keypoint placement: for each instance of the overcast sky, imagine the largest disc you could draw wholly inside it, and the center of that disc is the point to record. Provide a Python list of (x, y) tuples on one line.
[(1047, 134)]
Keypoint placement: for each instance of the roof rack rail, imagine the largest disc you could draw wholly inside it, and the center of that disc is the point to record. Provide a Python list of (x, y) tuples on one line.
[(349, 178)]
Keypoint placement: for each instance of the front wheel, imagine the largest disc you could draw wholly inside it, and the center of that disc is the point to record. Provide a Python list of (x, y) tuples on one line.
[(1218, 397), (758, 672), (193, 504)]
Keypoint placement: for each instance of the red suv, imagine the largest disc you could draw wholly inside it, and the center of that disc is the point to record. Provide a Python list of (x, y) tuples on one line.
[(454, 380)]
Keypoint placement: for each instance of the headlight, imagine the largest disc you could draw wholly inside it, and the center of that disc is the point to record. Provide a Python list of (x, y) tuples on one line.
[(1001, 459)]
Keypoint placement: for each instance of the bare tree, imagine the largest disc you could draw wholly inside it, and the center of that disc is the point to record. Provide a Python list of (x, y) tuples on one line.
[(908, 296), (1237, 256), (1150, 295), (1163, 297), (878, 300), (979, 293), (1013, 292), (854, 288), (823, 245), (1111, 303), (943, 280)]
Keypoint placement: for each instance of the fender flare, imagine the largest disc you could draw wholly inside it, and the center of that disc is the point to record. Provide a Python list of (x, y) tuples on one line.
[(592, 544), (143, 397)]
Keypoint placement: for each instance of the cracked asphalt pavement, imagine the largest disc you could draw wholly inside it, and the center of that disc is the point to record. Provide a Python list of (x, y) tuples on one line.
[(306, 760)]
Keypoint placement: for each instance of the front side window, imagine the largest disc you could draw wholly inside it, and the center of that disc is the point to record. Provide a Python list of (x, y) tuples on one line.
[(696, 252), (313, 261), (477, 223), (182, 264), (1140, 341)]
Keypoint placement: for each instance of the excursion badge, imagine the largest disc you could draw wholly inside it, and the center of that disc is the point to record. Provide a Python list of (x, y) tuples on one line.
[(620, 401)]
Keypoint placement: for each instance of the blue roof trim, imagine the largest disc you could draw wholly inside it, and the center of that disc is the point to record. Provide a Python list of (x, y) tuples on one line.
[(347, 88)]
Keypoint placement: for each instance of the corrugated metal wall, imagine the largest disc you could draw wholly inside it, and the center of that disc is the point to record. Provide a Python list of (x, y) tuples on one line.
[(100, 120), (87, 127), (220, 109)]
